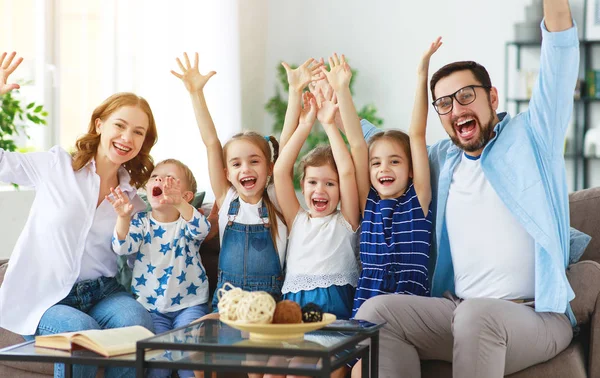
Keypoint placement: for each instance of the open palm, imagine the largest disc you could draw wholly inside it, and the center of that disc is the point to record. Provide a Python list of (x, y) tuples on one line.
[(120, 202), (298, 78), (6, 68), (339, 73), (424, 63), (327, 108), (192, 78), (172, 192)]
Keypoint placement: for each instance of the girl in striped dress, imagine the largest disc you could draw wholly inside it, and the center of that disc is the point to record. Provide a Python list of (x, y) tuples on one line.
[(394, 189)]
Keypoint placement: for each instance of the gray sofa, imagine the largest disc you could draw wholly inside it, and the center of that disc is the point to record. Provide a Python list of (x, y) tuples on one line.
[(580, 359)]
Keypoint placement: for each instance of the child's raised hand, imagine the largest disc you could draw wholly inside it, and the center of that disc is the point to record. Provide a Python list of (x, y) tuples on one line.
[(300, 77), (6, 68), (308, 114), (120, 203), (193, 80), (172, 192), (424, 64), (328, 107), (339, 74)]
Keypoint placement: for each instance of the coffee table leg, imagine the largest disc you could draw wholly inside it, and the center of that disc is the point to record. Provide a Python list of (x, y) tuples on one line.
[(68, 370), (139, 362), (375, 355), (365, 363)]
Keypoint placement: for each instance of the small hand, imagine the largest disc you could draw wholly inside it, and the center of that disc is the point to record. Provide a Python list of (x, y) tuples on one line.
[(172, 192), (339, 74), (298, 78), (6, 68), (193, 80), (328, 107), (308, 114), (424, 64), (120, 203)]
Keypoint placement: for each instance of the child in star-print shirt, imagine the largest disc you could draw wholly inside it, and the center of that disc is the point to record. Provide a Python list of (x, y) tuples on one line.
[(168, 276)]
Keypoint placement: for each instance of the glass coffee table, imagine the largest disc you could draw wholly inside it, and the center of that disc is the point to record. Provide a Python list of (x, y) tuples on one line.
[(212, 346)]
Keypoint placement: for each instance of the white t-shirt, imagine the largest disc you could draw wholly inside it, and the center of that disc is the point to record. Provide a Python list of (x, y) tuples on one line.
[(492, 254), (250, 214), (321, 253)]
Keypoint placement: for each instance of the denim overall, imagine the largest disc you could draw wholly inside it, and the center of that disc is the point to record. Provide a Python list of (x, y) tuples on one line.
[(248, 257)]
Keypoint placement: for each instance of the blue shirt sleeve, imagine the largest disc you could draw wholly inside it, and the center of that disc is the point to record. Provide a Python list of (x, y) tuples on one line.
[(368, 129), (551, 104)]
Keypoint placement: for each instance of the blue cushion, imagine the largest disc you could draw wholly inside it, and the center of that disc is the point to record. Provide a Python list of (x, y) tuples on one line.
[(579, 242)]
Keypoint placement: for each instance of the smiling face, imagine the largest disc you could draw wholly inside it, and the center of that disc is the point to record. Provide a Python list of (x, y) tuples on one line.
[(247, 169), (470, 127), (155, 185), (122, 134), (321, 190), (389, 168)]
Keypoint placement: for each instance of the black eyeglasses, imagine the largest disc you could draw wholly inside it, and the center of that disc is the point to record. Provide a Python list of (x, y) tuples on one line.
[(463, 96)]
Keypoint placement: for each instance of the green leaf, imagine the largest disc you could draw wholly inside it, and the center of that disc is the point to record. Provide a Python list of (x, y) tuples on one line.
[(38, 108), (31, 105)]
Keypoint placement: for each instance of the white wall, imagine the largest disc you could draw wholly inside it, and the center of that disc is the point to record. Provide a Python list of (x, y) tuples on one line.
[(384, 41)]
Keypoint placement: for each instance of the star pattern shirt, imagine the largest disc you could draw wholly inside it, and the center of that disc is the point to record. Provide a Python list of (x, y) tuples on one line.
[(167, 273)]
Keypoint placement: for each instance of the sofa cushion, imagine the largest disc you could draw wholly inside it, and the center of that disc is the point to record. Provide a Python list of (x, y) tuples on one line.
[(3, 267), (570, 363), (584, 207), (580, 276), (578, 243)]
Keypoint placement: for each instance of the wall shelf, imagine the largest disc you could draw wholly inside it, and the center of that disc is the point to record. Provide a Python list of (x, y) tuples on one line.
[(581, 112)]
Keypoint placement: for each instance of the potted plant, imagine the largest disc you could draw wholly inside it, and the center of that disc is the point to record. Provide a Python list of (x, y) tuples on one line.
[(15, 117)]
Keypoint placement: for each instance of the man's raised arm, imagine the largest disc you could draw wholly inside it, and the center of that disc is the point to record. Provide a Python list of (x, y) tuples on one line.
[(557, 15)]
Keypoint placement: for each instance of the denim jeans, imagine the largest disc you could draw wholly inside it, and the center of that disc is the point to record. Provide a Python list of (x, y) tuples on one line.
[(170, 320), (93, 304)]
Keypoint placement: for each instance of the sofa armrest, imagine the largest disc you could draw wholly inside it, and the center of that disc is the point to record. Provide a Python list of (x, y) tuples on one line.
[(594, 357), (584, 277)]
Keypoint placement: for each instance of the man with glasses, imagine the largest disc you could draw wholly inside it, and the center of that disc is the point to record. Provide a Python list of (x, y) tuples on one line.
[(500, 293)]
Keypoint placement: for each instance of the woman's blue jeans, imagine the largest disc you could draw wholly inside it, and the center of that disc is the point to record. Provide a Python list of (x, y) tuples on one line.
[(94, 304)]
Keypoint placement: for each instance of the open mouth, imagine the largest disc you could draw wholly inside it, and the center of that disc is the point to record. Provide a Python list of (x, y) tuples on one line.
[(156, 191), (386, 181), (319, 204), (466, 128), (248, 182), (121, 149)]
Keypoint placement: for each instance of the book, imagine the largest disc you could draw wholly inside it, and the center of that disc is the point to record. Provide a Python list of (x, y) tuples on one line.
[(106, 342)]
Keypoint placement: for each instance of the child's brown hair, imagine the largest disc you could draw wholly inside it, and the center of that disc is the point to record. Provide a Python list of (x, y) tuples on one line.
[(397, 136), (317, 157)]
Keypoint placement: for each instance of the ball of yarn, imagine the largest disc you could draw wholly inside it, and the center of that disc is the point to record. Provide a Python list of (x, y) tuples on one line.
[(256, 307), (229, 298), (312, 313), (287, 312)]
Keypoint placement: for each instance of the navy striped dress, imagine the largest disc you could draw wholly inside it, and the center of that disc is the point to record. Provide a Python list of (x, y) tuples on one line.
[(394, 247)]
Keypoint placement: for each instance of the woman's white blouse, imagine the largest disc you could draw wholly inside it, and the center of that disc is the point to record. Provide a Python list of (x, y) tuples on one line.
[(65, 239)]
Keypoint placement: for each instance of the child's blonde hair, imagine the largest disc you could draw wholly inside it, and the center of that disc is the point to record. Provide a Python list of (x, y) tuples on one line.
[(263, 144), (398, 136), (317, 157), (187, 172)]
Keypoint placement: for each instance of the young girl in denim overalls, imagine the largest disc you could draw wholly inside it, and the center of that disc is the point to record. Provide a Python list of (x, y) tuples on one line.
[(253, 237)]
